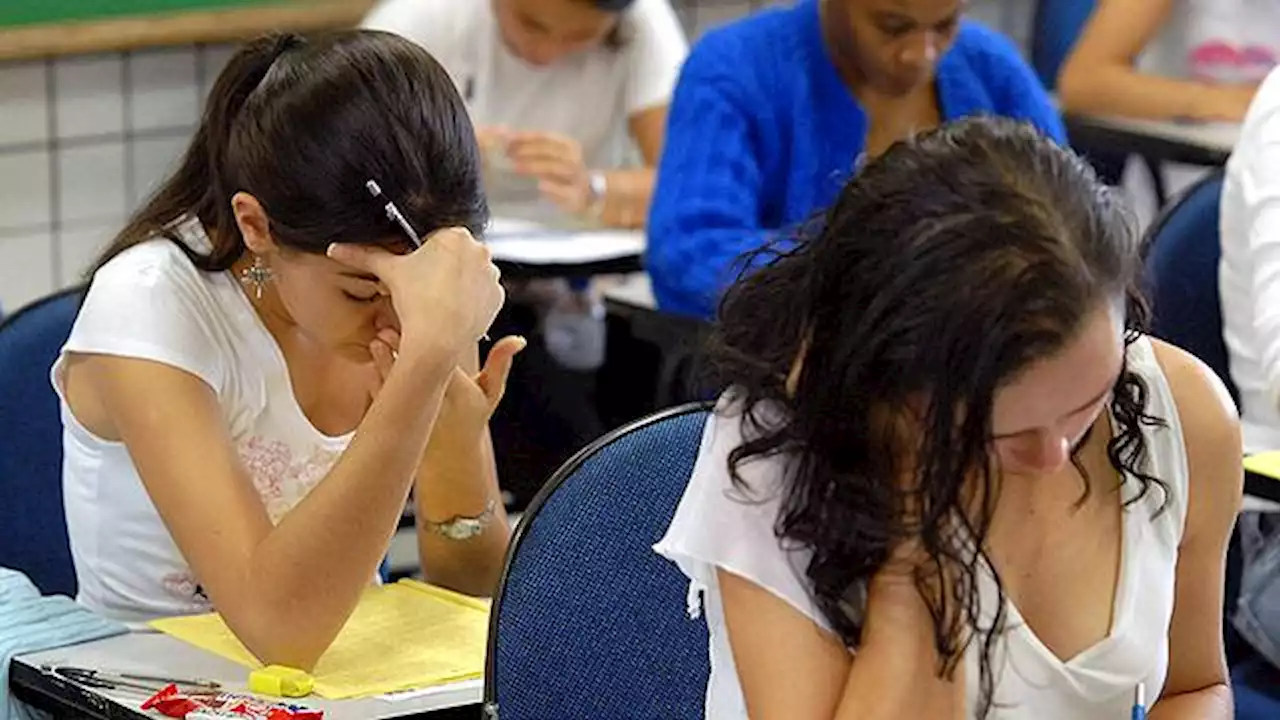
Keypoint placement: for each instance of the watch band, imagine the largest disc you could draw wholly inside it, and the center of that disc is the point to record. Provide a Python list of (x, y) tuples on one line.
[(599, 183), (462, 527)]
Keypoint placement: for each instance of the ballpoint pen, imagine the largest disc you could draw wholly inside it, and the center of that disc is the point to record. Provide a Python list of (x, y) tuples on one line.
[(1140, 702), (394, 214), (128, 681)]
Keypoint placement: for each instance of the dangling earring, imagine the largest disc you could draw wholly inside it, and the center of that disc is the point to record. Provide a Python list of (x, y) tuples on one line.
[(256, 276)]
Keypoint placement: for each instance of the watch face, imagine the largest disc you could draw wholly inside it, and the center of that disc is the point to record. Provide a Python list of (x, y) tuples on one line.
[(463, 530), (467, 528)]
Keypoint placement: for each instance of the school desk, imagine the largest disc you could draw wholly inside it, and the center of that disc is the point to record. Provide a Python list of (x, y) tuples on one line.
[(1207, 144), (153, 653), (678, 338), (526, 250)]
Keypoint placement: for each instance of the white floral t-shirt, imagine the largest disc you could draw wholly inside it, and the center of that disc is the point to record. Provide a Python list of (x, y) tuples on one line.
[(1226, 41), (152, 303)]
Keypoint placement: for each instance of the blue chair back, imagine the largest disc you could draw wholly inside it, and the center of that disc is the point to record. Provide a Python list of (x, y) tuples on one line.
[(1055, 27), (1256, 689), (33, 529), (588, 622), (1182, 250)]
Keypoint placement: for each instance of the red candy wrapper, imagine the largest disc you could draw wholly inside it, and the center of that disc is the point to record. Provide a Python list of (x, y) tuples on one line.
[(224, 706)]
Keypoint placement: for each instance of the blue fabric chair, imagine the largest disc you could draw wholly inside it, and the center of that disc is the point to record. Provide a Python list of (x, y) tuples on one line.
[(33, 532), (1257, 690), (588, 622), (1182, 251), (1055, 27)]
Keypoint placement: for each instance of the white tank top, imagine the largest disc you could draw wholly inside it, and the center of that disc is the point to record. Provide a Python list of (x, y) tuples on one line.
[(151, 303), (714, 528)]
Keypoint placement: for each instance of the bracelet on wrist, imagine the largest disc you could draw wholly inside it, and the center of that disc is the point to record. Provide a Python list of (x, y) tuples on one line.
[(462, 527), (598, 183)]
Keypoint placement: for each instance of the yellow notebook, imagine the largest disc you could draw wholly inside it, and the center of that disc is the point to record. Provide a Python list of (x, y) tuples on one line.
[(406, 636), (1267, 463)]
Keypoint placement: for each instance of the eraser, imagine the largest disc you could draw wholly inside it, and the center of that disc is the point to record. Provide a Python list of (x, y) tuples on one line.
[(281, 681)]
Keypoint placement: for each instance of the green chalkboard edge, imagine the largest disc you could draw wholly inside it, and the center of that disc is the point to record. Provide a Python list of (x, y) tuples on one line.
[(19, 13), (227, 24)]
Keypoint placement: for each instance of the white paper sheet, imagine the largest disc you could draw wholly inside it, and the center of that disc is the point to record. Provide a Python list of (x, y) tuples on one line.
[(521, 241)]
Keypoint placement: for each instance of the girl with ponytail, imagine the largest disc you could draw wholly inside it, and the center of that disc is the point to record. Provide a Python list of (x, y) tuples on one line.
[(264, 366)]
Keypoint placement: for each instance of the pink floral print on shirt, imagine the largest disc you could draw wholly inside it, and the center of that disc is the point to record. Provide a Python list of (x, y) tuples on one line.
[(1218, 60), (281, 478)]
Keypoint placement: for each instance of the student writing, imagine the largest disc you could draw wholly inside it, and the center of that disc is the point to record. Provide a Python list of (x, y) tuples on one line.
[(773, 112)]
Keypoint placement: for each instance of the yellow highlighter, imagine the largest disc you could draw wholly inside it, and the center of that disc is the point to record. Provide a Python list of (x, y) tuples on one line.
[(281, 681)]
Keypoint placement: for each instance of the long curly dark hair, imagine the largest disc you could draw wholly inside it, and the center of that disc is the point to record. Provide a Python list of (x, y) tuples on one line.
[(946, 266)]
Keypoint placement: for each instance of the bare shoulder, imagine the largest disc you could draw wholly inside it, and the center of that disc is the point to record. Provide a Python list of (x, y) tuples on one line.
[(1211, 434), (1204, 405)]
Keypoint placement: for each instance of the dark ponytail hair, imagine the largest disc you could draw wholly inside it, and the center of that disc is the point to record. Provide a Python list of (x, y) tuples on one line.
[(618, 36), (301, 125)]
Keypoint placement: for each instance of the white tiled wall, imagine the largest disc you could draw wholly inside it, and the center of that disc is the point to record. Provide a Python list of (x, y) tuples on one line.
[(25, 197), (83, 140), (164, 90), (26, 114)]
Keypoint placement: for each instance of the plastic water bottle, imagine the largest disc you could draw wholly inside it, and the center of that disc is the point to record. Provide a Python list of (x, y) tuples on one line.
[(574, 330)]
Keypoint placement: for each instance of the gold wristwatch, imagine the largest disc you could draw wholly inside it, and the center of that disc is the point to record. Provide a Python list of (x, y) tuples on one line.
[(462, 527), (599, 186)]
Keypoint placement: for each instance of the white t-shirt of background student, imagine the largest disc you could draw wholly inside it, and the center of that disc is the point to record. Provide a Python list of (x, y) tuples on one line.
[(588, 96), (151, 303), (1222, 41)]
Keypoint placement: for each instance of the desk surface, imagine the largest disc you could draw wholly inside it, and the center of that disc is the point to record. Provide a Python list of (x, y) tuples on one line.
[(156, 654), (532, 249), (1193, 143), (633, 292), (1220, 137)]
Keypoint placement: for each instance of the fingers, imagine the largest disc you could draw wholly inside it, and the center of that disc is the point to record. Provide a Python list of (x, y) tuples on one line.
[(459, 239), (542, 153), (391, 337), (497, 368), (546, 156), (546, 145), (450, 236), (383, 357), (361, 257), (492, 135), (567, 197), (469, 361), (556, 170)]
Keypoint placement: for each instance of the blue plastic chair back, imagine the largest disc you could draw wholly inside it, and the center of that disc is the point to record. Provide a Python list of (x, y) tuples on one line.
[(1256, 686), (588, 621), (1182, 255), (33, 528), (1056, 26)]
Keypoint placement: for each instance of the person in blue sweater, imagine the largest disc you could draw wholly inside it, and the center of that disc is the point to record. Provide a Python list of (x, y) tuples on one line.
[(772, 113)]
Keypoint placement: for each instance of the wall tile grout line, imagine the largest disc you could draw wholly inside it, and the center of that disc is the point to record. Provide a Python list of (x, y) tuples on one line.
[(28, 230), (201, 53), (172, 131), (128, 144), (52, 151)]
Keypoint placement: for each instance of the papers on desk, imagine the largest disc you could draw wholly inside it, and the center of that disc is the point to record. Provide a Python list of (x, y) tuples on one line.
[(519, 241), (1267, 463), (406, 636)]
